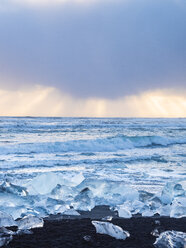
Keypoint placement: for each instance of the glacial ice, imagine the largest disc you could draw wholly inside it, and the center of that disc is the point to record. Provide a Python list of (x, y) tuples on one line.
[(84, 200), (170, 191), (124, 210), (7, 187), (11, 200), (109, 192), (60, 209), (53, 206), (110, 229), (148, 213), (63, 192), (23, 232), (155, 233), (124, 213), (71, 212), (171, 239), (5, 240), (145, 196), (29, 222), (137, 206), (178, 208), (53, 197), (44, 183), (5, 236), (87, 238), (6, 220), (164, 210), (108, 218), (177, 211)]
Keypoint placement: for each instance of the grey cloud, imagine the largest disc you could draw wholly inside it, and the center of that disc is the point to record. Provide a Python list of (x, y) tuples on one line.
[(104, 50)]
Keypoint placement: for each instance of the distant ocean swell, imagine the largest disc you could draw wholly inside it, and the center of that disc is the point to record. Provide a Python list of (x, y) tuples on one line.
[(92, 145)]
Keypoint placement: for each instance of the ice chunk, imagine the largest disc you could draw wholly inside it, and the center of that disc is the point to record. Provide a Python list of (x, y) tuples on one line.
[(43, 183), (4, 240), (46, 182), (124, 213), (157, 222), (87, 238), (137, 206), (61, 209), (11, 200), (144, 195), (155, 233), (47, 205), (23, 232), (181, 201), (177, 211), (63, 192), (124, 210), (166, 195), (154, 203), (5, 236), (108, 218), (6, 220), (84, 200), (75, 180), (5, 231), (8, 187), (110, 229), (15, 212), (178, 190), (170, 191), (148, 213), (71, 212), (164, 210), (171, 239), (52, 205), (110, 192), (29, 222)]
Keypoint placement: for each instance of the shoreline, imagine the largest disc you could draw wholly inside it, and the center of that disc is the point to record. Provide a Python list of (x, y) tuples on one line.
[(69, 231)]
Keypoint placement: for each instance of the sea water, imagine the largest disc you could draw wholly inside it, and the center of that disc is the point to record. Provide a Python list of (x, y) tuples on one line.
[(113, 159)]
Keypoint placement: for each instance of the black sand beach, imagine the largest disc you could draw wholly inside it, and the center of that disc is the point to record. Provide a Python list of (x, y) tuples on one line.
[(64, 232)]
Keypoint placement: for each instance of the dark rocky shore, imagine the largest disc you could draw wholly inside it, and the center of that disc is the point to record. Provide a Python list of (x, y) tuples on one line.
[(64, 232)]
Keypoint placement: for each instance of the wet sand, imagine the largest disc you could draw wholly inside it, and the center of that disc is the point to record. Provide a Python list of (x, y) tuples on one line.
[(69, 231)]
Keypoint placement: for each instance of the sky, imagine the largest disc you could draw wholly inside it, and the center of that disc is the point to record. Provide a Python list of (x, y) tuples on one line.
[(115, 58)]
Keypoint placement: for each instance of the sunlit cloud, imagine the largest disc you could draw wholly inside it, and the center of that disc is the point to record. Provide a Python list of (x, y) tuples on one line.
[(48, 101)]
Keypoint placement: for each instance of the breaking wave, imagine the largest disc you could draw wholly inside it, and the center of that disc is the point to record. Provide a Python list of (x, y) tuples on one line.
[(92, 145)]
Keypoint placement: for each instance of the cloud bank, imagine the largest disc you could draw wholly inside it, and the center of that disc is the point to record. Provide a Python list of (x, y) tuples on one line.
[(109, 49), (48, 101)]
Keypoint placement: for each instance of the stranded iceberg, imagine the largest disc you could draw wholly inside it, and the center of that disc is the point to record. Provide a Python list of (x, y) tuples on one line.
[(52, 193), (23, 205)]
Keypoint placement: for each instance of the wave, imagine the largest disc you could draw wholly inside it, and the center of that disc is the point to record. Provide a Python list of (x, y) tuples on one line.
[(109, 144)]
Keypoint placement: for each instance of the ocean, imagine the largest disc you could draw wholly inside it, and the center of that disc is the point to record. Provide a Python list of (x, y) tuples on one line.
[(104, 155)]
